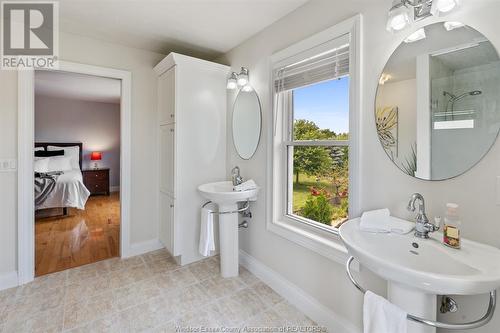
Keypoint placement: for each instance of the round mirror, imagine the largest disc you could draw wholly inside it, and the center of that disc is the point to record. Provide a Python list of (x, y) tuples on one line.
[(246, 123), (437, 109)]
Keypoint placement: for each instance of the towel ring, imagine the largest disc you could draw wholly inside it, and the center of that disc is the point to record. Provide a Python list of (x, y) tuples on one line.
[(463, 326), (242, 209)]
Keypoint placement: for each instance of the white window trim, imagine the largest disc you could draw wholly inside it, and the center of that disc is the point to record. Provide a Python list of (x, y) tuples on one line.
[(324, 241)]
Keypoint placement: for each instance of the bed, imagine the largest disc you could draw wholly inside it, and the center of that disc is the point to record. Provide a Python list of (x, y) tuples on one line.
[(69, 190)]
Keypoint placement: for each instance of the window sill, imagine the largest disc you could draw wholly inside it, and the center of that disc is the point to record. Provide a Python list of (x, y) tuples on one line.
[(325, 243)]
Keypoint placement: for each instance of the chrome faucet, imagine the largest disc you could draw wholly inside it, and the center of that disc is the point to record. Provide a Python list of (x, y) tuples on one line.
[(423, 227), (235, 176)]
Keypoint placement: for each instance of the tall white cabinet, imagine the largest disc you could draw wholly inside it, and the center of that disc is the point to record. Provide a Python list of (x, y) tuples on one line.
[(192, 146)]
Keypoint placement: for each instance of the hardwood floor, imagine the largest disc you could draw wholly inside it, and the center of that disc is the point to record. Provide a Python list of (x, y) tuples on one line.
[(83, 237)]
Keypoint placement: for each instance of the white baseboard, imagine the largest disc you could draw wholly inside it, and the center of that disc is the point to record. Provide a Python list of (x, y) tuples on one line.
[(297, 297), (8, 280), (114, 189), (142, 247)]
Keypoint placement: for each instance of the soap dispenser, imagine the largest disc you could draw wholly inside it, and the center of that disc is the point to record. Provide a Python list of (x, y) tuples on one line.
[(452, 224)]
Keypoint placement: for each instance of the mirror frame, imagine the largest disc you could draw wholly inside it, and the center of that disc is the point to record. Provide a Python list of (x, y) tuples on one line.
[(260, 124), (375, 107)]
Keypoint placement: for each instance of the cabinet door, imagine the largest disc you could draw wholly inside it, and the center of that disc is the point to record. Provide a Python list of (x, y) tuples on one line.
[(167, 159), (166, 97), (167, 222)]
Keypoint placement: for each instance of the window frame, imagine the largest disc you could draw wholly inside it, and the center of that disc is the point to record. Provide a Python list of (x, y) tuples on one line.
[(324, 240)]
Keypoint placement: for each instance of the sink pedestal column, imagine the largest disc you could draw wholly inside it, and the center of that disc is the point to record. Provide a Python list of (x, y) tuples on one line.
[(414, 302), (228, 233)]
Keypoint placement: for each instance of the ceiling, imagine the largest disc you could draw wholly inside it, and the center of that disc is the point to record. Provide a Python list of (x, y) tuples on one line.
[(77, 86), (201, 28)]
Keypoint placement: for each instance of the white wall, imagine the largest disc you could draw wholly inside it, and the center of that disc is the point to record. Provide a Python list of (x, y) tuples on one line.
[(95, 124), (384, 185), (144, 203), (402, 94)]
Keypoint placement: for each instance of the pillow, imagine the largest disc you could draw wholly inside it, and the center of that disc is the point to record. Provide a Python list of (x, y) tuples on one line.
[(46, 153), (59, 163), (72, 152), (41, 165)]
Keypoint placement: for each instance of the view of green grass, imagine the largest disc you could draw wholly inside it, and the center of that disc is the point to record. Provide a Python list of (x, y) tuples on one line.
[(302, 192)]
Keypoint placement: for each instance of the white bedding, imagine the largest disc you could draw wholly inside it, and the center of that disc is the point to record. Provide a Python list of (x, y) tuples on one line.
[(68, 192)]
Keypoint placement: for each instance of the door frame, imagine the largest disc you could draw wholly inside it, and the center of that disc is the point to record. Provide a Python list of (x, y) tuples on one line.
[(25, 176)]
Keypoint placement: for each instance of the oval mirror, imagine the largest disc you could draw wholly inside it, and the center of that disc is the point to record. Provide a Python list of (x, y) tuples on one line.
[(437, 109), (246, 123)]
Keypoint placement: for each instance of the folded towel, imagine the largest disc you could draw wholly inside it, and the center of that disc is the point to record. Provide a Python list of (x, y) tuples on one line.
[(381, 316), (246, 186), (375, 220), (380, 220), (207, 240)]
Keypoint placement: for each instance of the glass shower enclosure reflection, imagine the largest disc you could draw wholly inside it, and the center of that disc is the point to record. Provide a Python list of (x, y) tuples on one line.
[(464, 100)]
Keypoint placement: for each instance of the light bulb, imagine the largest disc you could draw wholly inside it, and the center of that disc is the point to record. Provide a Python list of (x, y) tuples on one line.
[(243, 77), (399, 18), (443, 7), (231, 81), (417, 35)]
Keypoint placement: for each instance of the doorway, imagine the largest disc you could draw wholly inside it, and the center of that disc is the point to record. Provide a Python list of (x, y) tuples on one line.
[(77, 170), (74, 234)]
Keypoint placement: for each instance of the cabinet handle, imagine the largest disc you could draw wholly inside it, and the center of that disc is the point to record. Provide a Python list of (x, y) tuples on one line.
[(171, 115), (171, 206), (171, 130)]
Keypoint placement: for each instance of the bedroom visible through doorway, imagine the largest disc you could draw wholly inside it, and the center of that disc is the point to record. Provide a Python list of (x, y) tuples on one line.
[(77, 169)]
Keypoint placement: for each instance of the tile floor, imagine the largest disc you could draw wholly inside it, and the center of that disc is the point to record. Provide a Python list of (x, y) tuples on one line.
[(144, 293)]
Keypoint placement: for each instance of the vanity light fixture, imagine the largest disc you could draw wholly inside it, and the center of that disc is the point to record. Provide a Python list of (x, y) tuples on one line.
[(417, 35), (405, 12), (232, 81), (400, 17), (236, 80), (243, 77), (443, 7)]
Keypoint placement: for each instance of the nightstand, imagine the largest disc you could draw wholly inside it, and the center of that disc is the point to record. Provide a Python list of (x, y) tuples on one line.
[(96, 180)]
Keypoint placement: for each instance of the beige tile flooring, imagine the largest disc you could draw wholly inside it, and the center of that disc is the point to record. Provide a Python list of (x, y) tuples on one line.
[(145, 293)]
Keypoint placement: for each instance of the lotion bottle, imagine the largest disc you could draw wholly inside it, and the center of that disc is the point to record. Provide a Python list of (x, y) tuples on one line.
[(452, 225)]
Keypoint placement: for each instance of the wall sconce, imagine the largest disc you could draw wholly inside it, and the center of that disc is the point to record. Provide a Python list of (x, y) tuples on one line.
[(242, 79), (404, 12)]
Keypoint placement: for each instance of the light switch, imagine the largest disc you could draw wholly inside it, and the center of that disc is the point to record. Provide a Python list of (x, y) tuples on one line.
[(8, 164)]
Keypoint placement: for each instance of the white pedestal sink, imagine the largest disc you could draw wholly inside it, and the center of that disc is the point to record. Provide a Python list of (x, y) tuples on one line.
[(417, 270), (227, 200)]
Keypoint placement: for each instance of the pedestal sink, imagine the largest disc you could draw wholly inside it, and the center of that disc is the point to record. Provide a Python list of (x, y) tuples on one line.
[(419, 269), (222, 194)]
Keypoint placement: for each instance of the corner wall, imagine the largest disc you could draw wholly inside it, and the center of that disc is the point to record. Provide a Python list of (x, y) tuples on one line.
[(383, 184)]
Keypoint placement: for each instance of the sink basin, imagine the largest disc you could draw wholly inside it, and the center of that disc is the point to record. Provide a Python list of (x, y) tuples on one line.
[(425, 264), (222, 193)]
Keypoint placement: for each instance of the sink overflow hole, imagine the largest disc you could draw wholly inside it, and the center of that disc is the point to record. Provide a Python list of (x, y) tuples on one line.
[(415, 245), (414, 252)]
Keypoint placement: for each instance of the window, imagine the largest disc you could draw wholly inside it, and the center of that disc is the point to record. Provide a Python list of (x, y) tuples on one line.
[(315, 155)]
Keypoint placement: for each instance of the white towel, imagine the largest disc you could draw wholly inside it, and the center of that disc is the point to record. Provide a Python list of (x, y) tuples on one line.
[(246, 186), (380, 220), (381, 316), (207, 240)]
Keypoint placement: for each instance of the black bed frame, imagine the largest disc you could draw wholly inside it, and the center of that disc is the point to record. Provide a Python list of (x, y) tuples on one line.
[(62, 144)]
